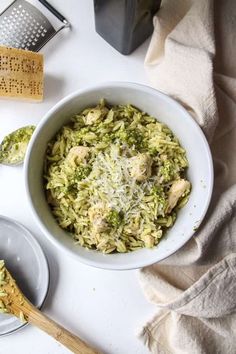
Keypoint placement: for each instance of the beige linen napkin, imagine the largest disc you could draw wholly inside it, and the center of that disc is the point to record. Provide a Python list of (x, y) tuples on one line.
[(192, 57)]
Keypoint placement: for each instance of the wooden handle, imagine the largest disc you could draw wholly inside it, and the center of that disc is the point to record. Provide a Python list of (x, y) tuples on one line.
[(69, 340), (18, 305)]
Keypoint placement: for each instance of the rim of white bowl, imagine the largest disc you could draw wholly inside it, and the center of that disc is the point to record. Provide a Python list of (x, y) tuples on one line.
[(120, 84)]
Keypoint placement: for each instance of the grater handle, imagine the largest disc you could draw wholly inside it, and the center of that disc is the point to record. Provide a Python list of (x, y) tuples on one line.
[(55, 12)]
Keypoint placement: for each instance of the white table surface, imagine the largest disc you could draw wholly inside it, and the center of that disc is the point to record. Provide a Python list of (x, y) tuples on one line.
[(106, 308)]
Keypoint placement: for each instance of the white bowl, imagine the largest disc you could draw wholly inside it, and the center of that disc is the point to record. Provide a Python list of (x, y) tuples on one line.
[(166, 110)]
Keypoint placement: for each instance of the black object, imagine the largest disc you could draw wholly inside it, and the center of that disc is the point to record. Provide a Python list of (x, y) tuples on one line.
[(54, 11), (125, 24)]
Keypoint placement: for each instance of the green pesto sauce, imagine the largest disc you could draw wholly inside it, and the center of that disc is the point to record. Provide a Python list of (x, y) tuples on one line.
[(14, 145), (114, 218)]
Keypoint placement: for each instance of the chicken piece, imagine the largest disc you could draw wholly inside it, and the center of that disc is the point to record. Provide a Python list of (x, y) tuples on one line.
[(141, 167), (78, 154), (176, 191), (95, 114), (97, 216), (149, 241)]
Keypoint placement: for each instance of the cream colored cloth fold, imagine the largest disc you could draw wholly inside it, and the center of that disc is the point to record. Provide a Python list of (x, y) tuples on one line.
[(192, 58)]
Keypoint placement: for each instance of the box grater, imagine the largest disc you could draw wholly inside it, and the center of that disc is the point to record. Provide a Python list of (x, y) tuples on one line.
[(23, 25)]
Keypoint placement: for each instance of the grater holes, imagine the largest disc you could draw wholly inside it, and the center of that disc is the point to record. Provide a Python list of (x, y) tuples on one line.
[(22, 29)]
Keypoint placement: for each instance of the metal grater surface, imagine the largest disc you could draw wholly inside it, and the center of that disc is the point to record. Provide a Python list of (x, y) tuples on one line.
[(23, 26)]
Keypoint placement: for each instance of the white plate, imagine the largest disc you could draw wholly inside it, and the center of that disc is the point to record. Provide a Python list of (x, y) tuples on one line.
[(27, 263)]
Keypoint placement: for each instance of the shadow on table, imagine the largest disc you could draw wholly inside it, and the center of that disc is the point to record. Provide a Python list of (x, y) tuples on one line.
[(53, 87), (53, 279)]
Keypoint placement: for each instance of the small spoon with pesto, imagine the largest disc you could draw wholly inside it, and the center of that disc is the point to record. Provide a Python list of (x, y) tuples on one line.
[(14, 145)]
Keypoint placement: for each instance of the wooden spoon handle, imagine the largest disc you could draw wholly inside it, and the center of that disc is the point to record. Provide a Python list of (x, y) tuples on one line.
[(69, 340)]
